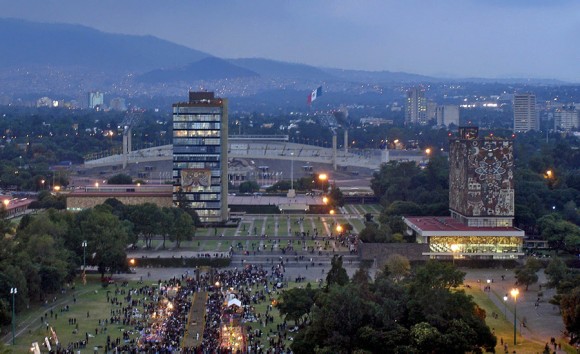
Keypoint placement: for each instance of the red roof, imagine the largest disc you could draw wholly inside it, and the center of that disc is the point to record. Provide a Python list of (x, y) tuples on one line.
[(447, 223)]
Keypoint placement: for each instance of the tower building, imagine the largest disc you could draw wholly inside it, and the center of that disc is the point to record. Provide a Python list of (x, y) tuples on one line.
[(566, 118), (481, 203), (416, 106), (200, 148), (525, 114), (481, 180)]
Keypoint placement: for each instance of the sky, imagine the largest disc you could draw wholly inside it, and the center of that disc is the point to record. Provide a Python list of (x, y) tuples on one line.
[(445, 38)]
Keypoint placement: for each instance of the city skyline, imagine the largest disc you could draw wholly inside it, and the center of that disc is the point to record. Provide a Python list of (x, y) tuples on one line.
[(449, 39)]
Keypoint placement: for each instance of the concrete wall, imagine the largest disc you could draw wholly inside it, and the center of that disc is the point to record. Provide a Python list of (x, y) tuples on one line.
[(381, 251), (85, 202)]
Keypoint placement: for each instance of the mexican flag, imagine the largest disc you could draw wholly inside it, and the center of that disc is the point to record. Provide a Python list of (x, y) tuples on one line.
[(314, 94)]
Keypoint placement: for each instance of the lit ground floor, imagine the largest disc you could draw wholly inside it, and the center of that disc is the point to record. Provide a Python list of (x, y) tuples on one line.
[(449, 239)]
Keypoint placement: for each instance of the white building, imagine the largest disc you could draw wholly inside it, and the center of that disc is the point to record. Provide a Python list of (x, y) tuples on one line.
[(566, 118), (96, 99), (525, 113), (447, 114)]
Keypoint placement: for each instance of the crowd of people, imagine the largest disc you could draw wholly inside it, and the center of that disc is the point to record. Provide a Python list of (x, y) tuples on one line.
[(154, 318)]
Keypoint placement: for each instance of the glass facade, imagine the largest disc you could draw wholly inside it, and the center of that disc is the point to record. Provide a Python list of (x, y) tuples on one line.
[(200, 156)]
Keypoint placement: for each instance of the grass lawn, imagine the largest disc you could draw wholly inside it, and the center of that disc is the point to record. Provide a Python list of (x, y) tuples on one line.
[(270, 329), (91, 299)]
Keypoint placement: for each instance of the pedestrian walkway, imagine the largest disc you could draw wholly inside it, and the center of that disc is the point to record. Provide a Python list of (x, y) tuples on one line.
[(542, 322), (194, 331)]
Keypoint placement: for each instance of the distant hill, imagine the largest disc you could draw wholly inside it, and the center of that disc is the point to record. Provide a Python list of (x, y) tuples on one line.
[(24, 43), (378, 76), (211, 68), (56, 59), (282, 70)]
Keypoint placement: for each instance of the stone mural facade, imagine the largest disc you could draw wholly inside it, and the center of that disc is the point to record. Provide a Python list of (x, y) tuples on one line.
[(481, 179)]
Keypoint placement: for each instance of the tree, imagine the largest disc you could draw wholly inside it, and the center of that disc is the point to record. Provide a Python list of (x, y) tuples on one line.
[(296, 303), (120, 179), (249, 187), (335, 196), (437, 275), (107, 240), (560, 234), (336, 274), (183, 228), (147, 219), (556, 271), (373, 233), (570, 306), (526, 276), (399, 266)]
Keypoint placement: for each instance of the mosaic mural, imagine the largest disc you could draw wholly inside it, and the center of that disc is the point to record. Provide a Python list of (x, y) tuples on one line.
[(481, 180)]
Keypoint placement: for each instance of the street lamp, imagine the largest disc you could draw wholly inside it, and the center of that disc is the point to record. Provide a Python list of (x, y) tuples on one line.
[(325, 200), (13, 291), (323, 177), (505, 299), (455, 250), (339, 228), (515, 292), (84, 244)]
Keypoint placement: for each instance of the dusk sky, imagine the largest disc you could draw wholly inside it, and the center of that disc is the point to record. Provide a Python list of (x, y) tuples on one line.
[(451, 38)]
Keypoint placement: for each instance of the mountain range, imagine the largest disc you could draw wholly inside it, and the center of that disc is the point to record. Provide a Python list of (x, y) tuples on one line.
[(31, 48)]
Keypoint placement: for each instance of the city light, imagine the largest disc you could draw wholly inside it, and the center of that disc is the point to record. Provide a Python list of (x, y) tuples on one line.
[(325, 200), (338, 228)]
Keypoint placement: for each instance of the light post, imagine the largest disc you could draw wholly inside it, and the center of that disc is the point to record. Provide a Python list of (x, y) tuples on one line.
[(454, 249), (515, 292), (84, 244), (505, 299), (292, 171), (291, 191), (323, 177), (13, 291)]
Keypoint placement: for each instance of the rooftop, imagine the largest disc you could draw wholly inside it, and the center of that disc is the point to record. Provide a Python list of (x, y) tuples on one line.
[(448, 224)]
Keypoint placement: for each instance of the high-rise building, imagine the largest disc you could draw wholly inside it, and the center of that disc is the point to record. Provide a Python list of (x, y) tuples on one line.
[(566, 118), (416, 106), (200, 156), (525, 113), (96, 99), (447, 115)]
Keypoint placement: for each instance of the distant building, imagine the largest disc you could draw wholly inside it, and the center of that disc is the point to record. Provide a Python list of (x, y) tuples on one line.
[(566, 118), (431, 111), (118, 104), (92, 195), (416, 106), (200, 156), (96, 99), (525, 113), (447, 115), (481, 202)]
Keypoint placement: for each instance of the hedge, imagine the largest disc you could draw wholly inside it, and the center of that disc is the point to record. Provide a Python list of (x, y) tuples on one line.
[(182, 262)]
